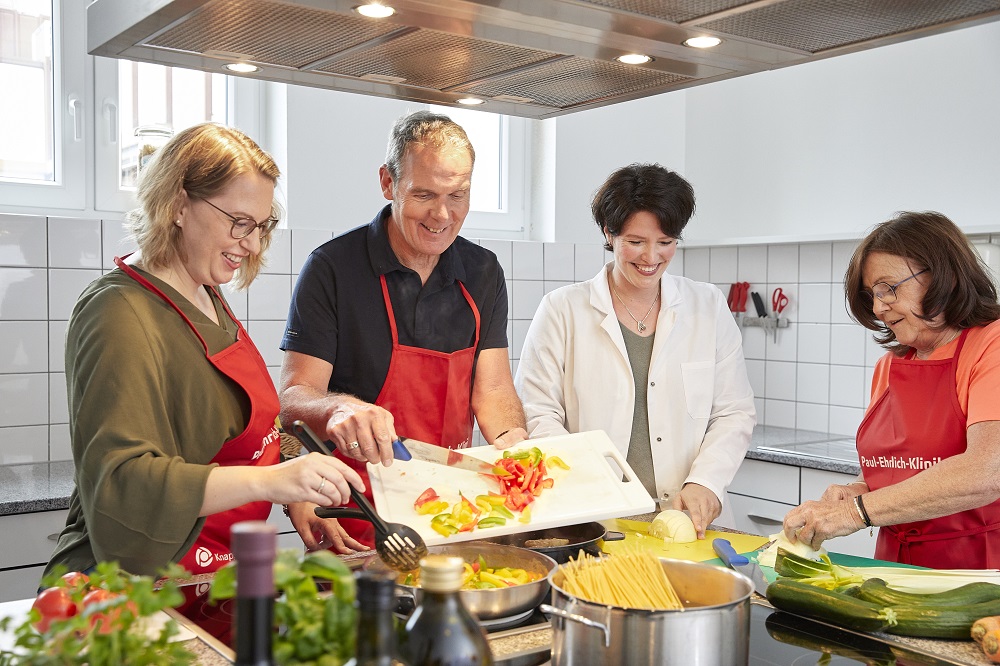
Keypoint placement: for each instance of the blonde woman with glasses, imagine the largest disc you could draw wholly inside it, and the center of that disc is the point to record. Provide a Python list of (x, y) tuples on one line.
[(928, 442)]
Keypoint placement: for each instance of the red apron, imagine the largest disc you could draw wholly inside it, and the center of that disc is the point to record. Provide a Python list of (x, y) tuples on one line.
[(916, 423), (258, 445), (428, 393)]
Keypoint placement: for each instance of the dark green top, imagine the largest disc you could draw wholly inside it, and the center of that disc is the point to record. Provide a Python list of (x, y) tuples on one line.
[(147, 412), (640, 455)]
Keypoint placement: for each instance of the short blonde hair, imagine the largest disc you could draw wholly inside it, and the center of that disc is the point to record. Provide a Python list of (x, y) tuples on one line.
[(201, 160)]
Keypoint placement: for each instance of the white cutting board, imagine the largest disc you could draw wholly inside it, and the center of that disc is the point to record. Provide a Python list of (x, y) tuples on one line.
[(592, 489)]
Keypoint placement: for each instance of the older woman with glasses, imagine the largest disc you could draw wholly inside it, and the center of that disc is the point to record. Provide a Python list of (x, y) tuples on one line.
[(172, 410), (929, 440)]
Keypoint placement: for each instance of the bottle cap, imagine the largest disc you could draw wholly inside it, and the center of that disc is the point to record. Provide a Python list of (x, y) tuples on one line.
[(441, 573), (254, 545)]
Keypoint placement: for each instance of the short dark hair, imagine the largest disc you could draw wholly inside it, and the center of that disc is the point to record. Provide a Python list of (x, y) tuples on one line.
[(643, 187), (961, 288), (433, 129)]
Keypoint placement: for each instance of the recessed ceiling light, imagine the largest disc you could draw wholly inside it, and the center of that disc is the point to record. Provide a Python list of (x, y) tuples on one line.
[(241, 67), (375, 10), (703, 42), (634, 58), (470, 101)]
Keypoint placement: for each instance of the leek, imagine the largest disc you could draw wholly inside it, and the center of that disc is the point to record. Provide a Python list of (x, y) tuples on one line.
[(827, 575)]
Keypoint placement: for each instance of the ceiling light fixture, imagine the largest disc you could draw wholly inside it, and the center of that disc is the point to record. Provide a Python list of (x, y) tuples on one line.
[(375, 10), (703, 42), (241, 67), (634, 59), (470, 101)]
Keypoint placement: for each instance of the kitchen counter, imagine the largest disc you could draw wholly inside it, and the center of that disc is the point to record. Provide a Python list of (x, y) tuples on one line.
[(32, 487)]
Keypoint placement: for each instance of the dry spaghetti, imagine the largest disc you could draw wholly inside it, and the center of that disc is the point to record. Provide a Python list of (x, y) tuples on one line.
[(625, 578)]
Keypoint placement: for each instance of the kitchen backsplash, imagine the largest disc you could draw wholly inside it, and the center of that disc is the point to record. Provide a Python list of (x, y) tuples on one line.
[(814, 376)]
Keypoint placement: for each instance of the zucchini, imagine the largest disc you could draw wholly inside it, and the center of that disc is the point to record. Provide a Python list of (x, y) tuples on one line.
[(943, 622), (877, 591), (833, 607)]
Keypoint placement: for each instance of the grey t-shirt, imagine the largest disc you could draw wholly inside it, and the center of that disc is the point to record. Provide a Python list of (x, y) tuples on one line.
[(640, 455)]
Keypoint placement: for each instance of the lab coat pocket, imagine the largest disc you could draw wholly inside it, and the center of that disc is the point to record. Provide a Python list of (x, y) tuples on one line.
[(699, 387)]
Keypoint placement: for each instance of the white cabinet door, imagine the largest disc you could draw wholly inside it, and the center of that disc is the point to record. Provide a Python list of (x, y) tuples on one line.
[(814, 482)]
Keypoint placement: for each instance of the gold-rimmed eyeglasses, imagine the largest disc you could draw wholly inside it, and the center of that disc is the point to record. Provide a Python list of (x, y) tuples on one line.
[(244, 226), (886, 292)]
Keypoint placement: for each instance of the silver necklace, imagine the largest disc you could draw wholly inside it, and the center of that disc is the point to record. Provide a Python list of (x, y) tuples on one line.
[(640, 324)]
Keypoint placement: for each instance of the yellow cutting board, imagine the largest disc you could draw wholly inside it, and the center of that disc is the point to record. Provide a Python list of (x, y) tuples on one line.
[(636, 535)]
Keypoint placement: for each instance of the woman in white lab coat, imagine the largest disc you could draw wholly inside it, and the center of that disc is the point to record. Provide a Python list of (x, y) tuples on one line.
[(653, 359)]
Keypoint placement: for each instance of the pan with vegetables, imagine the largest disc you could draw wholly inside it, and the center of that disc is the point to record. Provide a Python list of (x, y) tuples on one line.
[(494, 589)]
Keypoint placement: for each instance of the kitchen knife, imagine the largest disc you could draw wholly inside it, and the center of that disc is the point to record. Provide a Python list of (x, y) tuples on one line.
[(740, 563), (405, 448), (758, 304)]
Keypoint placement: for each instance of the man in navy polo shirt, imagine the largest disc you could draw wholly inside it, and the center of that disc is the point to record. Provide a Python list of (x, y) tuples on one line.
[(400, 326)]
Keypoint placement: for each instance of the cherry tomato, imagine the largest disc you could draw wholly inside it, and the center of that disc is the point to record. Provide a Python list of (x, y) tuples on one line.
[(75, 579), (54, 604), (105, 620)]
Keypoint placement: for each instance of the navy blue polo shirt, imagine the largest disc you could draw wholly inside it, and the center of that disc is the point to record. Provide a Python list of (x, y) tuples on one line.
[(337, 312)]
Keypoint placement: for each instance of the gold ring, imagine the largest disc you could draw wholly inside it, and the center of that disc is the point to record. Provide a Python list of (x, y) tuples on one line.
[(321, 484), (353, 445)]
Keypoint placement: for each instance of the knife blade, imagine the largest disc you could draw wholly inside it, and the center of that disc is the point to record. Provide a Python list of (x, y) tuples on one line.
[(740, 563), (405, 448)]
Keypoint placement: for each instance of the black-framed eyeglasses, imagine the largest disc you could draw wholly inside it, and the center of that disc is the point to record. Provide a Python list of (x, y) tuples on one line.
[(886, 292), (244, 226)]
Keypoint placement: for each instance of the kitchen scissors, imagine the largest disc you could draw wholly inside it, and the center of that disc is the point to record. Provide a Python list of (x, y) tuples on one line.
[(778, 302)]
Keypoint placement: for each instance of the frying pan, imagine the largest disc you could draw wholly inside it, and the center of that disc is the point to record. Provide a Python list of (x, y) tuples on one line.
[(585, 536)]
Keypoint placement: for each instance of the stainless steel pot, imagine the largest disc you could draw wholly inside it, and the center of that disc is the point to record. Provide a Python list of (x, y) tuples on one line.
[(492, 604), (713, 629)]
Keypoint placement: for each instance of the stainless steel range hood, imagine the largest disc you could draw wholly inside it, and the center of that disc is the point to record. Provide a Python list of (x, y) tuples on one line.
[(532, 58)]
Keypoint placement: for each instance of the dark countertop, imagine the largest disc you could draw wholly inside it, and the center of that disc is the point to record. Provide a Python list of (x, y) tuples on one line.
[(31, 487)]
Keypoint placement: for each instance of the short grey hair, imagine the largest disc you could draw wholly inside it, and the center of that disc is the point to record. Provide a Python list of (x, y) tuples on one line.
[(426, 128)]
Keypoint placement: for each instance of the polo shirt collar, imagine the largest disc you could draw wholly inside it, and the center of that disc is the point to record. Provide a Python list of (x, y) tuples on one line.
[(449, 267)]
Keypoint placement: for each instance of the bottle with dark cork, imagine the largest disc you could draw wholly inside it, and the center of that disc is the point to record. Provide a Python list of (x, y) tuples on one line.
[(254, 545)]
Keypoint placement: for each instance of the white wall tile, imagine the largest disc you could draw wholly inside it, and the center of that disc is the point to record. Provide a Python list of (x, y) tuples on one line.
[(115, 242), (723, 267), (266, 335), (676, 265), (304, 241), (237, 300), (268, 297), (65, 287), (814, 343), (25, 346), (558, 261), (24, 444), (60, 447), (845, 420), (275, 373), (23, 241), (847, 344), (780, 380), (815, 260), (58, 400), (873, 350), (813, 382), (57, 345), (504, 252), (753, 263), (813, 304), (24, 399), (588, 260), (698, 264), (552, 285), (869, 376), (527, 261), (755, 373), (786, 346), (525, 296), (842, 252), (23, 293), (754, 343), (847, 385), (279, 255), (812, 417), (74, 243), (783, 264), (520, 330), (779, 413)]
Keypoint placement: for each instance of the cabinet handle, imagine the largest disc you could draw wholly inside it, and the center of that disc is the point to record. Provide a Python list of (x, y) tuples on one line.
[(76, 110), (111, 115), (53, 537), (765, 519)]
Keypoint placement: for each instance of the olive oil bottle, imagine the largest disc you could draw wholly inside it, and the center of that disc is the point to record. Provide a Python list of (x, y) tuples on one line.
[(376, 643), (254, 545), (441, 631)]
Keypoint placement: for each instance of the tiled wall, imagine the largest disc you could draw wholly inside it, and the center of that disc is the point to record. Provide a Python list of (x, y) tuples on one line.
[(814, 377)]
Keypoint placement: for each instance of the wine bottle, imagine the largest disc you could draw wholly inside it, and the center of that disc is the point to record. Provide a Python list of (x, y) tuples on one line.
[(376, 643), (441, 631), (254, 545)]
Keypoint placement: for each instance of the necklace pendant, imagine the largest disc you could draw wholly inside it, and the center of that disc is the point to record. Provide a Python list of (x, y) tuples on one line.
[(640, 326)]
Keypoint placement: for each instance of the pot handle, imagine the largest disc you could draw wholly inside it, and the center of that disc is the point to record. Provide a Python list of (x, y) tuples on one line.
[(614, 536), (546, 608)]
